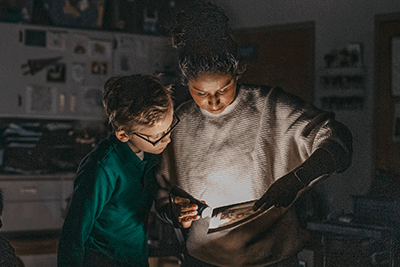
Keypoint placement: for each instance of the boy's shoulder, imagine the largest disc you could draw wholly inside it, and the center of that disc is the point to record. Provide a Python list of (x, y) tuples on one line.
[(100, 153)]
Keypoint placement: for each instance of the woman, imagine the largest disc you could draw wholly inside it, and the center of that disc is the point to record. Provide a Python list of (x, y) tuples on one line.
[(238, 143)]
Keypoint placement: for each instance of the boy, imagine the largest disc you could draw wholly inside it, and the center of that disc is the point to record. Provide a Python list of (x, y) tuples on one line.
[(115, 183), (7, 253)]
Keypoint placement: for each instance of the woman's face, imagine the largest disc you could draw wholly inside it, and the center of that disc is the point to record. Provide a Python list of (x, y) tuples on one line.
[(213, 93)]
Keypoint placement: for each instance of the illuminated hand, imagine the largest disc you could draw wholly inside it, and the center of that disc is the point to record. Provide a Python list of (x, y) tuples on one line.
[(186, 212), (281, 193)]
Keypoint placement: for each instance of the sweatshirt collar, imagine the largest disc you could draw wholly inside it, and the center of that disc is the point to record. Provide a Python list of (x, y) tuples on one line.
[(126, 154)]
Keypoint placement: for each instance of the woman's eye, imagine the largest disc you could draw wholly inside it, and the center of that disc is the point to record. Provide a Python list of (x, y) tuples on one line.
[(202, 94)]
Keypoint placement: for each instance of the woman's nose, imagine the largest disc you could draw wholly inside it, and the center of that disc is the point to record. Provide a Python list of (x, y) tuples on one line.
[(214, 101)]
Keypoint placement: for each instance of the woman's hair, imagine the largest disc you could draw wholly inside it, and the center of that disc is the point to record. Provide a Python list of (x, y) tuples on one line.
[(135, 100), (204, 42)]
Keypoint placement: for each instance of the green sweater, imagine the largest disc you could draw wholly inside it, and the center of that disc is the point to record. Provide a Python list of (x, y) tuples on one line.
[(114, 192)]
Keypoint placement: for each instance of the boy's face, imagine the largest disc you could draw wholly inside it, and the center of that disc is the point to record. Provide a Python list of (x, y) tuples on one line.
[(150, 133)]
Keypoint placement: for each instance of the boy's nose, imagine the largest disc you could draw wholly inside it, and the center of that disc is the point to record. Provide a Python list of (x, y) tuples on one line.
[(166, 139)]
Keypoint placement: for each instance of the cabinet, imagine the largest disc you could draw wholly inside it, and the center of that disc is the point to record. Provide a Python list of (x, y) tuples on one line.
[(35, 202), (342, 89), (353, 245)]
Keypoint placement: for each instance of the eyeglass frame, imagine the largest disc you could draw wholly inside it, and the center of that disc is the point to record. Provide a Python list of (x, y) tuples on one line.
[(167, 133)]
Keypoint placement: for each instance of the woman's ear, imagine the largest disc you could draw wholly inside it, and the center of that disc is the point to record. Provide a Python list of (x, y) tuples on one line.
[(122, 136)]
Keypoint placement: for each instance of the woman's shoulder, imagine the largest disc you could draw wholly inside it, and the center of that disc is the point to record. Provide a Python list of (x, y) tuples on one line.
[(273, 97), (261, 93), (265, 91)]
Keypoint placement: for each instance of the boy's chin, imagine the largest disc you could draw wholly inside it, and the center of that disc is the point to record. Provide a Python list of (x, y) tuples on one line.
[(157, 151)]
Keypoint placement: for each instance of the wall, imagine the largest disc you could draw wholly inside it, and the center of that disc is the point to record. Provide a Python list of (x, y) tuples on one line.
[(338, 23)]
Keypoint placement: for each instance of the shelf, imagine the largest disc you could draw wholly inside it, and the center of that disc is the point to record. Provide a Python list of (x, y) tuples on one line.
[(341, 92), (52, 117), (47, 176), (342, 71), (341, 89)]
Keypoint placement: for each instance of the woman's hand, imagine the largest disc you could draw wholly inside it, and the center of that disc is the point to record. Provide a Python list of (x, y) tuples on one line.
[(185, 211), (281, 193)]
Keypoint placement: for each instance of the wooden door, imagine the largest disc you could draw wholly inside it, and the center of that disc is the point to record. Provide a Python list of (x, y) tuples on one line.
[(279, 56), (387, 149)]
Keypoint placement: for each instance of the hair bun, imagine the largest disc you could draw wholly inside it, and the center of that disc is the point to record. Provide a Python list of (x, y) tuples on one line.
[(199, 24)]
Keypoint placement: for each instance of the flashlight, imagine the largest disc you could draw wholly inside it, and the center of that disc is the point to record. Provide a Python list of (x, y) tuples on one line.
[(203, 209)]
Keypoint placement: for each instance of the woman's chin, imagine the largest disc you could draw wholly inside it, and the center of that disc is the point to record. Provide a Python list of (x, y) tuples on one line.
[(216, 111)]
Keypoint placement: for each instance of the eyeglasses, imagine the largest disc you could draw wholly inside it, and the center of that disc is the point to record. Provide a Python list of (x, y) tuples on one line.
[(159, 136)]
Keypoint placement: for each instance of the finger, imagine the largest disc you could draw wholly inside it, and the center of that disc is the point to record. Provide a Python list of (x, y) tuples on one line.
[(181, 200), (188, 213), (268, 205), (191, 218), (188, 218), (188, 208), (188, 223), (266, 201), (260, 201)]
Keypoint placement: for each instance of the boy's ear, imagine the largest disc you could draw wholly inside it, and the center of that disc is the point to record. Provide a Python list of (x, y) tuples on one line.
[(122, 136)]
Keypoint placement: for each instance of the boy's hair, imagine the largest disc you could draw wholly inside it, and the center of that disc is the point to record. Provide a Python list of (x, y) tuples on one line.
[(135, 100), (204, 42)]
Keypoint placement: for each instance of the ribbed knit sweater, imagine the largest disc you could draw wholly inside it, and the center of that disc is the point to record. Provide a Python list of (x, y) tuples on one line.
[(235, 156)]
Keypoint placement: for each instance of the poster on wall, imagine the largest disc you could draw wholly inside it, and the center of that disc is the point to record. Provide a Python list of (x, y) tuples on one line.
[(41, 99), (56, 40), (79, 45), (78, 72), (396, 66), (132, 55), (100, 49)]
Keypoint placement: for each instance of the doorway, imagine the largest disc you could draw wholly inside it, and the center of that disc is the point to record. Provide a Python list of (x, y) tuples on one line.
[(388, 150)]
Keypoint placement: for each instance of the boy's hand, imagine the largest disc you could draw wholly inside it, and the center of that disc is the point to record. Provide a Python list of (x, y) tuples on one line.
[(185, 211)]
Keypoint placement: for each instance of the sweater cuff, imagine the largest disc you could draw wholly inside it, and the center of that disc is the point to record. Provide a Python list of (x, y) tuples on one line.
[(341, 157)]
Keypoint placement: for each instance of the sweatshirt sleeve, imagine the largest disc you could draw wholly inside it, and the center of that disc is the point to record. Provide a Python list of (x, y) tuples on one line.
[(165, 179), (324, 142), (333, 137), (92, 191)]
